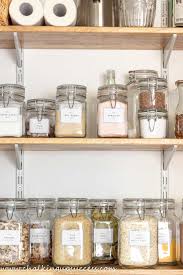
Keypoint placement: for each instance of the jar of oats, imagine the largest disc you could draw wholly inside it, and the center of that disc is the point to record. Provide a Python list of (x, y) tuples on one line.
[(41, 212), (72, 233), (14, 232), (138, 236)]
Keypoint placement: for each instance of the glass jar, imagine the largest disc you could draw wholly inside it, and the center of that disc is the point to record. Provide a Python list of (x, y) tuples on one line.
[(41, 212), (181, 236), (70, 111), (112, 109), (40, 120), (138, 236), (12, 110), (105, 231), (72, 233), (179, 111), (14, 232), (164, 211), (178, 13), (153, 124)]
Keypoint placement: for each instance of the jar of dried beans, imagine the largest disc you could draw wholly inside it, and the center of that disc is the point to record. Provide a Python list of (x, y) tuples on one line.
[(179, 111), (14, 232), (42, 212), (105, 231), (72, 233), (138, 236)]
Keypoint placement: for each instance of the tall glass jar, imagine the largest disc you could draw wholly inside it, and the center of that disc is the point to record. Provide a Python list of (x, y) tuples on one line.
[(14, 232), (40, 120), (12, 110), (105, 230), (41, 212), (138, 236), (72, 233), (179, 111), (70, 111), (164, 211), (112, 109)]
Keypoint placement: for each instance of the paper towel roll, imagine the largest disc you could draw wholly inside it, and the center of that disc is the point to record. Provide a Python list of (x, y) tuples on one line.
[(26, 12), (60, 12)]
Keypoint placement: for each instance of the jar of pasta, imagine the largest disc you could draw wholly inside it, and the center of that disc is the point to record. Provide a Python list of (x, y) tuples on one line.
[(14, 232), (72, 233), (41, 212), (70, 111), (105, 231), (138, 236)]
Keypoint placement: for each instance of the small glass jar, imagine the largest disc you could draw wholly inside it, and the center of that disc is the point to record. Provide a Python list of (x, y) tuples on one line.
[(179, 111), (70, 111), (14, 232), (72, 233), (105, 231), (12, 110), (153, 124), (40, 120), (138, 236), (41, 212)]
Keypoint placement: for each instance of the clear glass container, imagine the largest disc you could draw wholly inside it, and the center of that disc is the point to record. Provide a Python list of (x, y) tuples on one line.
[(137, 13), (138, 236), (178, 13), (105, 231), (179, 111), (181, 236), (72, 233), (112, 114), (40, 120), (41, 212), (153, 124), (71, 111), (14, 232), (164, 211), (12, 110)]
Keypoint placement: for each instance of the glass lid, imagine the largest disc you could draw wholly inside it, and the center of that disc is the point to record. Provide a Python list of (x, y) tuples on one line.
[(71, 89), (40, 103), (72, 203)]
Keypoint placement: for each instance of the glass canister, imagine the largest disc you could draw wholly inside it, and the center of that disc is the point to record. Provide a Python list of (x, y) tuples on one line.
[(72, 233), (105, 231), (40, 120), (138, 236), (153, 124), (14, 232), (112, 109), (179, 111), (71, 111), (12, 110), (181, 236), (41, 212)]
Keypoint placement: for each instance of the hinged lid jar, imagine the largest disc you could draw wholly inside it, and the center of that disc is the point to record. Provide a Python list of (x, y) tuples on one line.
[(179, 111), (71, 111)]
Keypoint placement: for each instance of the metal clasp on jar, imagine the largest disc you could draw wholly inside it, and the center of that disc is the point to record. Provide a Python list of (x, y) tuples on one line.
[(152, 89), (113, 98), (6, 98), (74, 207), (10, 212), (40, 211), (141, 210), (40, 111), (163, 210), (71, 98), (150, 118)]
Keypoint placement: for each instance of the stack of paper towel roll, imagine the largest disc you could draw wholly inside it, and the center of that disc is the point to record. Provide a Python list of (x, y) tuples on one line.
[(35, 12)]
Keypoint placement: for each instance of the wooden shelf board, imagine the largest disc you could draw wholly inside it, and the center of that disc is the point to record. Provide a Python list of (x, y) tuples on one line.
[(48, 37)]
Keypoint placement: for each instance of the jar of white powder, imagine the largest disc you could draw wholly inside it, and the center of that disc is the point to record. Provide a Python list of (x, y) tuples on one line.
[(12, 110)]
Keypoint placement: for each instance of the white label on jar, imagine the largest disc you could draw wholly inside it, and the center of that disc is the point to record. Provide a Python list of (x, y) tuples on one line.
[(116, 115), (164, 234), (39, 235), (70, 115), (10, 237), (139, 238), (103, 235), (39, 127), (9, 114), (72, 237), (178, 12)]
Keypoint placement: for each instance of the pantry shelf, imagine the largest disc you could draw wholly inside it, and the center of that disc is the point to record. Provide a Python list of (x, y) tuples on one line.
[(48, 37)]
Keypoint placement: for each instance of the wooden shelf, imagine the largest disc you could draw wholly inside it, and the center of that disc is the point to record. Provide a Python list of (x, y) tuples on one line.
[(46, 37)]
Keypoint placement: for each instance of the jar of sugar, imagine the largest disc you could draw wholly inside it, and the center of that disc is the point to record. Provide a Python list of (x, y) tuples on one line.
[(153, 124), (112, 109), (12, 110)]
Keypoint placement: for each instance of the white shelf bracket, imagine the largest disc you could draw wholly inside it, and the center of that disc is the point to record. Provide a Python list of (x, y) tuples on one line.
[(167, 51), (19, 60), (19, 171)]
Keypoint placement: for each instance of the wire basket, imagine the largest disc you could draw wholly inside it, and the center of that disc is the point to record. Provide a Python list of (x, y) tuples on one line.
[(4, 15)]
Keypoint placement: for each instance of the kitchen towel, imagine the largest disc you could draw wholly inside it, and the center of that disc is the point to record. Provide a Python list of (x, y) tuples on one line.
[(26, 12), (60, 12)]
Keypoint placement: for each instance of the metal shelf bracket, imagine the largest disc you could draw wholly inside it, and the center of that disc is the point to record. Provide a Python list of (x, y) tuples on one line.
[(19, 171), (19, 60), (167, 51)]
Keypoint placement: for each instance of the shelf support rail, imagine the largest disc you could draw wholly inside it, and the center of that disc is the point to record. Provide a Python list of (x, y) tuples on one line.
[(167, 51), (167, 156), (19, 60), (19, 171)]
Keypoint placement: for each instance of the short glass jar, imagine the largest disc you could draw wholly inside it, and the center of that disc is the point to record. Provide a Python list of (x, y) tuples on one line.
[(153, 124), (40, 120), (41, 212), (71, 111), (138, 236), (72, 233), (179, 111), (12, 110), (14, 232), (105, 231)]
